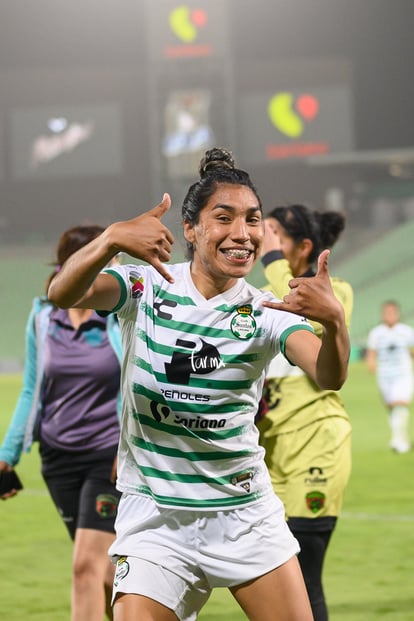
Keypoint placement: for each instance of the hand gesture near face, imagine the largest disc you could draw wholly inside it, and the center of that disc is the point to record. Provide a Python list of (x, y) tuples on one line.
[(147, 238), (312, 297)]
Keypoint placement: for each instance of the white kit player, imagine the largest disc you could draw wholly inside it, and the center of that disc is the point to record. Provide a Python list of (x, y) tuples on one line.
[(390, 348), (198, 510)]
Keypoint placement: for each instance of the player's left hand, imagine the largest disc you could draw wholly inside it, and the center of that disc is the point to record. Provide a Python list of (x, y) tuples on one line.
[(312, 297)]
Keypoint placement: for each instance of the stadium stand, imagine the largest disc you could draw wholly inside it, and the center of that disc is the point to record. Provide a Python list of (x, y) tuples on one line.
[(381, 271)]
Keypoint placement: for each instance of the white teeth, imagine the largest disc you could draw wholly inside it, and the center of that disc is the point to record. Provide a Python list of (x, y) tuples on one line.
[(238, 253)]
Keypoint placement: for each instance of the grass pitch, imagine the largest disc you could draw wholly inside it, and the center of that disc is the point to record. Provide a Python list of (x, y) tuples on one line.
[(370, 564)]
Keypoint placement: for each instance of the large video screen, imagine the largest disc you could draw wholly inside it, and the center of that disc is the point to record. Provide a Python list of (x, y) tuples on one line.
[(188, 131), (52, 142), (295, 123)]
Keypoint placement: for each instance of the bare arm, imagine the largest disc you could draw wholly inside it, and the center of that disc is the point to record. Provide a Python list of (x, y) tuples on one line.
[(324, 359), (79, 284), (371, 360)]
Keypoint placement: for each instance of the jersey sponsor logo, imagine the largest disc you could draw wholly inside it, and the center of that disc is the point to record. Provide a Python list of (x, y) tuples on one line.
[(184, 396), (199, 362), (243, 324), (200, 423), (106, 505), (315, 500), (316, 477), (161, 411)]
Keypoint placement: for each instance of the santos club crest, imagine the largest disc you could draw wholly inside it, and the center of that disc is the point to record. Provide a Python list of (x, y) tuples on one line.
[(243, 325)]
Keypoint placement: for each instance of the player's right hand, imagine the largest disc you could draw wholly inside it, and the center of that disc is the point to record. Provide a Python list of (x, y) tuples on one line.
[(147, 238)]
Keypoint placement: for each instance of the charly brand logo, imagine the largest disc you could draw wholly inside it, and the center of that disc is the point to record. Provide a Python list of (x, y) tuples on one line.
[(185, 23), (290, 115), (158, 308)]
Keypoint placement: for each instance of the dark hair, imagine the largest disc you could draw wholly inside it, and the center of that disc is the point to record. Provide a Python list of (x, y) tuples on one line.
[(216, 167), (69, 242), (323, 228)]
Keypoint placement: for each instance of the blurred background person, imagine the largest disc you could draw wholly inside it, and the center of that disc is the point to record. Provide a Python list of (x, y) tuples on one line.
[(390, 348), (306, 431), (70, 404)]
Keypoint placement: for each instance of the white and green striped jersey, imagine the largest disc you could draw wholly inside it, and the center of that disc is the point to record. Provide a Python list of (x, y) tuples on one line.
[(192, 377), (393, 346)]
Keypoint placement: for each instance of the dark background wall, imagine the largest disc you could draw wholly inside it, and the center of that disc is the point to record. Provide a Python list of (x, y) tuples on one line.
[(97, 51)]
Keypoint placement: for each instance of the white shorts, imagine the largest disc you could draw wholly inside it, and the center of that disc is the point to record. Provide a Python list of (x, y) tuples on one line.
[(177, 556), (396, 389)]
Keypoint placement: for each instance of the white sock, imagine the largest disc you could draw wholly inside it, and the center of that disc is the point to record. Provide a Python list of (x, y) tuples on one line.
[(399, 418)]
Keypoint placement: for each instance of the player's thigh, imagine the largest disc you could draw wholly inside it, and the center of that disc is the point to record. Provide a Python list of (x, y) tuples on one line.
[(90, 551), (131, 607), (99, 498), (154, 581), (282, 590), (65, 491), (317, 465), (396, 389)]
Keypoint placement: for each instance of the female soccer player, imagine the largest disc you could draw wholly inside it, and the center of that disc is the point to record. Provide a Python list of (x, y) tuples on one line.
[(390, 347), (198, 510), (306, 432)]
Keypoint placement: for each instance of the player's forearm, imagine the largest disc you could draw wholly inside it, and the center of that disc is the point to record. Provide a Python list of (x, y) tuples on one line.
[(79, 272), (371, 361), (333, 358)]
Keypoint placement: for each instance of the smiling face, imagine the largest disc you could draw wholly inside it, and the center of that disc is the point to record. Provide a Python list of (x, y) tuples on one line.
[(226, 238)]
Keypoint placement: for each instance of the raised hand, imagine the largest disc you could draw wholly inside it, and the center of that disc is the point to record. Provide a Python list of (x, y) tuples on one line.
[(271, 239), (147, 238), (312, 297)]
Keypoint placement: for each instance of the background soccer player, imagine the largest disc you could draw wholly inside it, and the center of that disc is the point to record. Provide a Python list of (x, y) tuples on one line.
[(390, 348), (306, 432)]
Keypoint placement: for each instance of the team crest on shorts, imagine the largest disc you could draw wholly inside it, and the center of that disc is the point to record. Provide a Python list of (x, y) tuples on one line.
[(106, 505), (315, 501), (122, 569), (243, 325)]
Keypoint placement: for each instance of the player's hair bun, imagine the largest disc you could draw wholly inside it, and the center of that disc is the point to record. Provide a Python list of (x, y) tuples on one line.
[(215, 159)]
